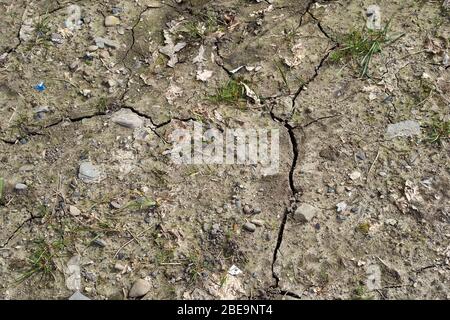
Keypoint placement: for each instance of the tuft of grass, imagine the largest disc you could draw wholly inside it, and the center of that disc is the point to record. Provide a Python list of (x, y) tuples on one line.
[(193, 30), (142, 203), (232, 91), (102, 105), (42, 31), (364, 228), (42, 27), (279, 66), (360, 293), (323, 276), (165, 252), (438, 131), (41, 260), (163, 256), (195, 265), (198, 29), (361, 46), (290, 33)]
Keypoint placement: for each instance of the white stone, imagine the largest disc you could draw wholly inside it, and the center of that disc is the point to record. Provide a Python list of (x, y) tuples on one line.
[(305, 212), (74, 211), (341, 206), (140, 288), (355, 175), (406, 128), (88, 172), (127, 118), (111, 21), (78, 296), (373, 14)]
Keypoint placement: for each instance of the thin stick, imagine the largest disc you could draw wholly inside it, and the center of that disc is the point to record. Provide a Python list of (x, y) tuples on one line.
[(375, 160), (131, 240)]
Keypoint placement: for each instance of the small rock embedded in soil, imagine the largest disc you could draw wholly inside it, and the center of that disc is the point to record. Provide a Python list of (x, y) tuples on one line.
[(258, 222), (360, 155), (234, 270), (246, 209), (250, 227), (92, 48), (111, 21), (73, 274), (406, 128), (74, 211), (99, 243), (373, 14), (119, 267), (305, 212), (78, 296), (355, 175), (140, 288), (127, 118), (341, 206), (115, 205), (57, 38), (446, 60), (20, 187), (88, 172), (102, 42)]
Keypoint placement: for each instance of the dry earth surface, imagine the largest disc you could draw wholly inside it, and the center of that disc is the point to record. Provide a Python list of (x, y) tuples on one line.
[(359, 207)]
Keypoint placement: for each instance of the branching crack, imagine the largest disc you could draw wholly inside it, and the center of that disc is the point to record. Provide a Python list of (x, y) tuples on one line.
[(294, 190), (29, 220), (221, 64), (51, 125), (295, 151), (316, 73), (133, 36)]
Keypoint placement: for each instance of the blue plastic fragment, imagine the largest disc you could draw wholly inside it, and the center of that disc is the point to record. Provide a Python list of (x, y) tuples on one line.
[(40, 87)]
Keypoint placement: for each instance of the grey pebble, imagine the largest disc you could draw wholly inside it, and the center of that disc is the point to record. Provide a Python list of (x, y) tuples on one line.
[(250, 227), (246, 209), (103, 42), (78, 296), (305, 212), (140, 288), (403, 129), (88, 172), (127, 118), (99, 243), (360, 155), (20, 187), (115, 205), (57, 38)]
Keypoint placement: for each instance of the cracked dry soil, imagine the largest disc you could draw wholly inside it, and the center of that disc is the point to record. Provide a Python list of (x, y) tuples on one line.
[(381, 205)]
